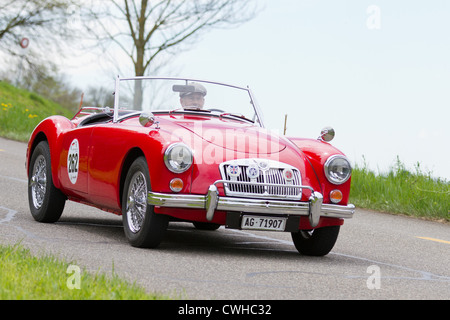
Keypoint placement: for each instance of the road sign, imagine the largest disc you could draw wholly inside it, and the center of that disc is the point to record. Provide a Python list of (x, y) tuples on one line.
[(24, 43)]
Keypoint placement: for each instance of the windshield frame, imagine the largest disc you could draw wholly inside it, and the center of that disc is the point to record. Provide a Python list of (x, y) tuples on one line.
[(258, 121)]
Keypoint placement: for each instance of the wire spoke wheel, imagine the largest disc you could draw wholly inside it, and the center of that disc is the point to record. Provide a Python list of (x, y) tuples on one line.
[(45, 200), (39, 181), (143, 228), (136, 202)]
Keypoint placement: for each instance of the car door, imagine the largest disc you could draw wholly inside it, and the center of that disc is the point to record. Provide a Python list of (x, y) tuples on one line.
[(108, 149), (74, 161)]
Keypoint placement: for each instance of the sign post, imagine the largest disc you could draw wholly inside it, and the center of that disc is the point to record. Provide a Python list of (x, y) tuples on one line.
[(24, 43)]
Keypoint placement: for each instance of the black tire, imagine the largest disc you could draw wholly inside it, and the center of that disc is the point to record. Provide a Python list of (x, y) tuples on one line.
[(317, 242), (143, 228), (45, 200), (206, 226)]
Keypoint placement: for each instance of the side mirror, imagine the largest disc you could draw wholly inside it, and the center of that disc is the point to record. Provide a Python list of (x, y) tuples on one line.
[(146, 119), (327, 134)]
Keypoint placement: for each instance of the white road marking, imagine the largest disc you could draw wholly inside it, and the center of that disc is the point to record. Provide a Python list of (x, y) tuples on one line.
[(9, 215), (14, 179)]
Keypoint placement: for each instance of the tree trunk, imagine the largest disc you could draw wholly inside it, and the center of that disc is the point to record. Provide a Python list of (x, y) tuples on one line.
[(139, 71), (156, 26), (140, 51)]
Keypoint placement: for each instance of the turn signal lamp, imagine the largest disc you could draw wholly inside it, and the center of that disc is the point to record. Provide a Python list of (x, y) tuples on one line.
[(176, 185), (336, 196)]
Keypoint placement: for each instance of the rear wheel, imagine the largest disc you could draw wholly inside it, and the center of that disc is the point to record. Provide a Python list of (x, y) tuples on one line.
[(143, 228), (317, 242), (45, 200)]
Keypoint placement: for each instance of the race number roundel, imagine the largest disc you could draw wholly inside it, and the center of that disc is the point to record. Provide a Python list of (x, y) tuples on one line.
[(72, 161)]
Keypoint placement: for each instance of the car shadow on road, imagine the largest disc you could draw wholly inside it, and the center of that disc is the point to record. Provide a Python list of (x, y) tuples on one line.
[(183, 237)]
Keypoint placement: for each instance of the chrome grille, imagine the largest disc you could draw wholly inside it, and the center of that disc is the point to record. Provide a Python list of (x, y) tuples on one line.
[(272, 175)]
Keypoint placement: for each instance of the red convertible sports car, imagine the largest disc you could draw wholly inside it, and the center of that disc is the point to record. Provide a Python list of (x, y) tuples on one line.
[(173, 149)]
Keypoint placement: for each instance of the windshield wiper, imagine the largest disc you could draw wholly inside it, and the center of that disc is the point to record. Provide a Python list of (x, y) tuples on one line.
[(212, 111), (187, 110), (236, 115)]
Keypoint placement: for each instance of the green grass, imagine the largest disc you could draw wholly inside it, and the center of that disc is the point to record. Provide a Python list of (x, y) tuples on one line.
[(24, 276), (21, 111), (401, 191)]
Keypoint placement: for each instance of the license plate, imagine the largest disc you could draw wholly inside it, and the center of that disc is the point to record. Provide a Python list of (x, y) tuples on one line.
[(263, 223)]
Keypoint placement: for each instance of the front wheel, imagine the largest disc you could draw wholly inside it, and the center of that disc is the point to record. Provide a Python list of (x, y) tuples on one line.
[(143, 228), (317, 242), (45, 200)]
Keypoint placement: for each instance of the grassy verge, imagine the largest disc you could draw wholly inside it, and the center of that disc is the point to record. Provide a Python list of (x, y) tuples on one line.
[(26, 277), (21, 111), (401, 191)]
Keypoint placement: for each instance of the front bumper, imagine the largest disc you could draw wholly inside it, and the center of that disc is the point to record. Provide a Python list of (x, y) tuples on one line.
[(314, 208)]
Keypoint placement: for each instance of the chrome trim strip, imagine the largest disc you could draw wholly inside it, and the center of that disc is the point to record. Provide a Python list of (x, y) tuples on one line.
[(265, 184), (315, 201), (257, 108), (116, 99), (275, 207), (176, 200), (211, 202), (337, 211), (267, 174)]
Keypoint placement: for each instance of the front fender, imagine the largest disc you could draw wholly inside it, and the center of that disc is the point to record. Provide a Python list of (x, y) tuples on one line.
[(49, 129), (318, 152)]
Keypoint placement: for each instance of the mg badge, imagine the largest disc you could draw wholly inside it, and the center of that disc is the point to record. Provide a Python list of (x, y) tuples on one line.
[(288, 175), (263, 165)]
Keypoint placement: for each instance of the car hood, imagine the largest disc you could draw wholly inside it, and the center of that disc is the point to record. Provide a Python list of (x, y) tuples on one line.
[(232, 135), (208, 136)]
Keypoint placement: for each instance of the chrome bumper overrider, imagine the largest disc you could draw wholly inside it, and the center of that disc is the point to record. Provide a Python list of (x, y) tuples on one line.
[(211, 202)]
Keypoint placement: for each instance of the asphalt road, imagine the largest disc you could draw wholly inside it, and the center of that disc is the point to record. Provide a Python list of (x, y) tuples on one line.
[(377, 256)]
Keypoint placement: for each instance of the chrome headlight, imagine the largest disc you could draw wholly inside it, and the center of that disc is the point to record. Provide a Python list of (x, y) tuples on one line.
[(337, 169), (178, 157)]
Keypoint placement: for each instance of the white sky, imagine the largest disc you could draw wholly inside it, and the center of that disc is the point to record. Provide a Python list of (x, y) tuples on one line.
[(380, 78)]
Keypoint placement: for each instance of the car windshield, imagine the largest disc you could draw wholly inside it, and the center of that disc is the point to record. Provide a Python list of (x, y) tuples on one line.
[(175, 95)]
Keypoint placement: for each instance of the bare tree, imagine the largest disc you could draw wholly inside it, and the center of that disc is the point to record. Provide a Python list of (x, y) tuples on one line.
[(41, 21), (145, 29)]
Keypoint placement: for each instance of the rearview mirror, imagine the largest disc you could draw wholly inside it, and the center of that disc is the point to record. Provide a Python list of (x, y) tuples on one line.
[(146, 119), (327, 134), (183, 88)]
